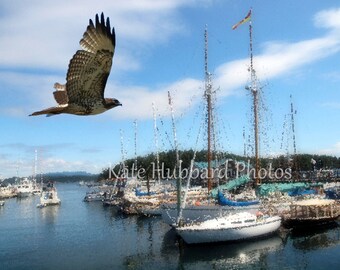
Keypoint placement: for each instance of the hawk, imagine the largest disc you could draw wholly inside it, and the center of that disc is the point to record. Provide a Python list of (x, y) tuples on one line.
[(88, 71)]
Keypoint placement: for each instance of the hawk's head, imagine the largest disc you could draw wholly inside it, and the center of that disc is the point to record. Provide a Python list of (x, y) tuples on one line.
[(111, 103)]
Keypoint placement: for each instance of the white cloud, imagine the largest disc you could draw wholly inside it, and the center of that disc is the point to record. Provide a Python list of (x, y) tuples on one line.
[(59, 164), (46, 34), (328, 18), (47, 161), (276, 59), (332, 105), (137, 101), (334, 150)]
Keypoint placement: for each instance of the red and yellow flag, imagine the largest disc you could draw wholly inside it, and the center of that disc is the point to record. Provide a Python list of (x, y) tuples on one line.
[(246, 19)]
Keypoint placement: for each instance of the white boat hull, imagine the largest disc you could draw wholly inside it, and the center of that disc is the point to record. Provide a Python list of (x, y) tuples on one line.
[(200, 213), (49, 196), (211, 235)]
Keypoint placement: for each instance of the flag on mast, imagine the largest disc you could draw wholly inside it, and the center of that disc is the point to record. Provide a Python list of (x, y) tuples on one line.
[(246, 19)]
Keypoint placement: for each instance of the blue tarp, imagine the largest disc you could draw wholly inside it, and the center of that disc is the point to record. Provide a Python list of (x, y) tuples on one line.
[(301, 192), (231, 185), (141, 193), (333, 194), (224, 201)]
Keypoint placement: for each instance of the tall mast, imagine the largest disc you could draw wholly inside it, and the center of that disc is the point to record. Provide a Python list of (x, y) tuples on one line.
[(254, 90), (35, 164), (135, 126), (156, 142), (179, 180), (208, 96), (122, 154), (293, 126), (292, 112)]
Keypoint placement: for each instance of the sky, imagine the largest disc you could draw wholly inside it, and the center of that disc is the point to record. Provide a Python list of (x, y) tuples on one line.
[(160, 49)]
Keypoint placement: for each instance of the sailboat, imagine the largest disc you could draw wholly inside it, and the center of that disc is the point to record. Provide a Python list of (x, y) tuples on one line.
[(241, 225), (235, 227), (209, 209)]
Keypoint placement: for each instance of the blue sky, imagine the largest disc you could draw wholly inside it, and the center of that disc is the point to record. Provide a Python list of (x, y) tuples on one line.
[(160, 48)]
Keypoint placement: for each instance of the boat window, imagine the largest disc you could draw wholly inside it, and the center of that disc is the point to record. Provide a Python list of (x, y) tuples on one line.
[(236, 222), (249, 220)]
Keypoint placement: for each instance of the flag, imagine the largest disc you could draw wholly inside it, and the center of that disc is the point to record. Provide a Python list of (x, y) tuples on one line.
[(246, 19)]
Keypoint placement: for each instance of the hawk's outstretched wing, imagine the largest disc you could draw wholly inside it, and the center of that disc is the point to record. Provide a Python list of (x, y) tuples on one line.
[(89, 68), (60, 95)]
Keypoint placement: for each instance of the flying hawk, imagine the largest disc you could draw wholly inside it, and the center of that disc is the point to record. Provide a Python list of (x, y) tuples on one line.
[(88, 71)]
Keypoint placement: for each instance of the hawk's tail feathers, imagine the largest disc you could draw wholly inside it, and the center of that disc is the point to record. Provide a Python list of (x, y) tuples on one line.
[(49, 112)]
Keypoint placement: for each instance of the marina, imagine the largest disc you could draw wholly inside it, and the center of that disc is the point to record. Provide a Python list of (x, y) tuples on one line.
[(76, 234), (226, 176)]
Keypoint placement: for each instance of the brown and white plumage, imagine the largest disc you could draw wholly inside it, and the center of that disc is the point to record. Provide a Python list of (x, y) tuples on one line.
[(88, 71)]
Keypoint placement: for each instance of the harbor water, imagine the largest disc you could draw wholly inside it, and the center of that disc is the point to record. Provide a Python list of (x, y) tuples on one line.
[(80, 235)]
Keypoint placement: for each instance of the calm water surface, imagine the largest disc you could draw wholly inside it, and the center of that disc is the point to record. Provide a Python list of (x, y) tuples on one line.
[(79, 235)]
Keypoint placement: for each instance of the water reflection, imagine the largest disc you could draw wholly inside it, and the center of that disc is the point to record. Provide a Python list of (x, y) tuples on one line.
[(231, 253), (318, 238), (49, 214)]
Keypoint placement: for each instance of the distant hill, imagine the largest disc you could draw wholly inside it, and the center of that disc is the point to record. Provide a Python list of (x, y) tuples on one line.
[(76, 173), (65, 177), (70, 176)]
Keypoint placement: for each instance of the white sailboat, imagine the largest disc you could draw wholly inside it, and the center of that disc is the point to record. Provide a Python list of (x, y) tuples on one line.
[(235, 227), (206, 209)]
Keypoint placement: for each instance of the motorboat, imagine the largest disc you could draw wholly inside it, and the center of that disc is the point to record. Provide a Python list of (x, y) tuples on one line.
[(94, 196), (49, 196), (25, 188)]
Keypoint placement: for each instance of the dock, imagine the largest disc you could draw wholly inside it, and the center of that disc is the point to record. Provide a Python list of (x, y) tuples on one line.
[(312, 212)]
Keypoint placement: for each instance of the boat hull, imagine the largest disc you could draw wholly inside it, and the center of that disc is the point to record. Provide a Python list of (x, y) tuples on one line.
[(24, 194), (200, 213), (261, 229)]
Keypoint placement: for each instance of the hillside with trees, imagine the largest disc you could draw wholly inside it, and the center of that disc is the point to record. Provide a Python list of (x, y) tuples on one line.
[(299, 162)]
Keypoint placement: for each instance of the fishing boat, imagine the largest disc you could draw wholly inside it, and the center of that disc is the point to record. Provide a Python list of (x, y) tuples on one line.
[(235, 227), (2, 203), (49, 196)]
